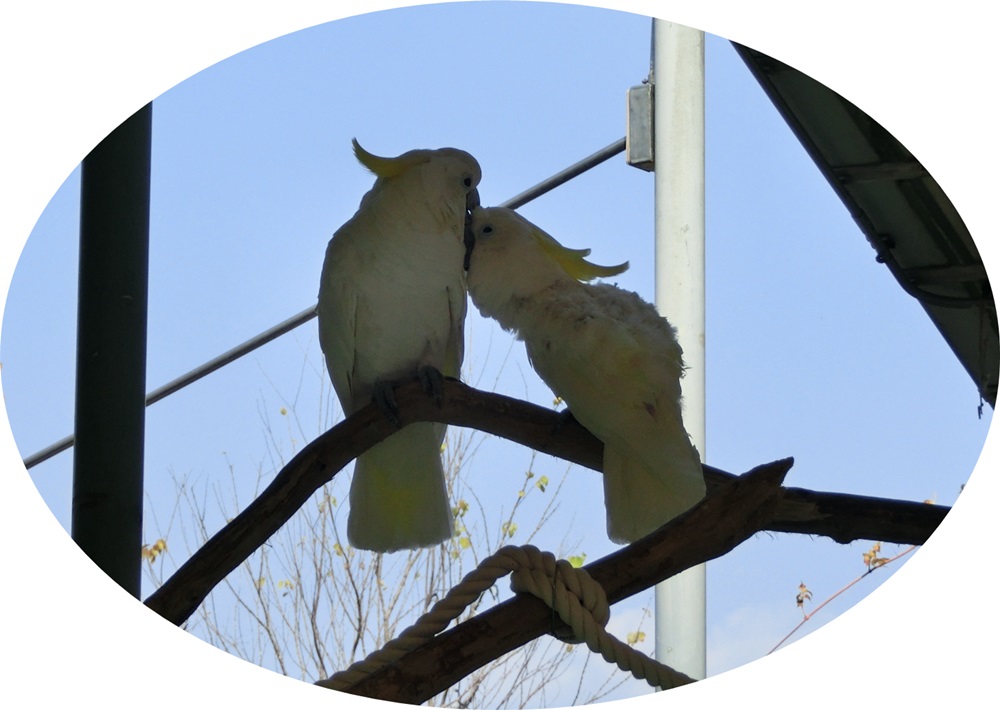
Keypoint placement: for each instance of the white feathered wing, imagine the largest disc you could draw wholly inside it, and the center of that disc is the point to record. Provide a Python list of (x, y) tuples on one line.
[(616, 364), (611, 357), (392, 300)]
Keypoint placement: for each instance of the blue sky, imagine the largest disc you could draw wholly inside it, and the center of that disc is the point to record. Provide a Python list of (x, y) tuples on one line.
[(812, 349)]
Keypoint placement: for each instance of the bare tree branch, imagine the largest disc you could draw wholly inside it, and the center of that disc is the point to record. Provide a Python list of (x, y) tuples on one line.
[(839, 516)]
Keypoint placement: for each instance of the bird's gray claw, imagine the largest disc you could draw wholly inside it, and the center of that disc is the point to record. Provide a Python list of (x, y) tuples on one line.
[(384, 398), (433, 382)]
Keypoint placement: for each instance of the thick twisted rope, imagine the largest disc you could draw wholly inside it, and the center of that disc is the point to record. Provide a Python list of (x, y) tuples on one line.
[(571, 592)]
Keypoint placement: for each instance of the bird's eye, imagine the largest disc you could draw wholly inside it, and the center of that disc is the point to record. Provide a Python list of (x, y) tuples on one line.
[(467, 182), (487, 229)]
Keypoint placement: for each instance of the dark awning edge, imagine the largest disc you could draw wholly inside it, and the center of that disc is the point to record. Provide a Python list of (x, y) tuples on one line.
[(899, 207)]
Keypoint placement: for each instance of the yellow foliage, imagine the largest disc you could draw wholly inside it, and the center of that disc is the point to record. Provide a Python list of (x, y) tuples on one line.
[(803, 596), (151, 552), (635, 637), (871, 558)]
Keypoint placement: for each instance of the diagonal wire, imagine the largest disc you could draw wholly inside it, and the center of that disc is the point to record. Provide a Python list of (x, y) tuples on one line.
[(192, 376), (305, 316), (566, 175)]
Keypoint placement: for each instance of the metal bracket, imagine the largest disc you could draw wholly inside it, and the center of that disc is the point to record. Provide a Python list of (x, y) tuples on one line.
[(639, 133)]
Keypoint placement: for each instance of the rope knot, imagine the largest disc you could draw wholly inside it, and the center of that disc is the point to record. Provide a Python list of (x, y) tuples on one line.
[(571, 592), (579, 602)]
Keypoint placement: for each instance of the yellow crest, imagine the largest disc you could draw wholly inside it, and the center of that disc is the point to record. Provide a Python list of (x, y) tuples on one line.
[(572, 261), (388, 167)]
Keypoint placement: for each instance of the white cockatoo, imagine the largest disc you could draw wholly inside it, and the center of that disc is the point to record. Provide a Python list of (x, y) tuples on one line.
[(392, 303), (607, 353)]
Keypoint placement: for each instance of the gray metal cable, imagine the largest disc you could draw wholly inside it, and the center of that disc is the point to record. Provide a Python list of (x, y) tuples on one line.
[(192, 376), (565, 175)]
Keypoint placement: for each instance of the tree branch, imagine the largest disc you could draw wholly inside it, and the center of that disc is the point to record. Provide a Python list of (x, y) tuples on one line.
[(729, 515), (839, 516)]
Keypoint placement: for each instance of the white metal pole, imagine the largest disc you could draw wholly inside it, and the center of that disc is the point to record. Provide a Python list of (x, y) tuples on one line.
[(679, 154)]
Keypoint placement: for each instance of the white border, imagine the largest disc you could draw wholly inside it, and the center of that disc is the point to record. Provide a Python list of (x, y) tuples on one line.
[(75, 70)]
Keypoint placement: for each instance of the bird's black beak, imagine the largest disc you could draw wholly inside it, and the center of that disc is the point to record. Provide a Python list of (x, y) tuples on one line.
[(472, 200), (469, 239)]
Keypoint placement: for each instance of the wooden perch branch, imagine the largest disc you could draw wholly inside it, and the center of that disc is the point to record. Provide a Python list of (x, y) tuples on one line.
[(839, 516), (729, 515)]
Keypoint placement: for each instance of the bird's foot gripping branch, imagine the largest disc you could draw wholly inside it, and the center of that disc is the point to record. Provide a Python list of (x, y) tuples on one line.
[(839, 516)]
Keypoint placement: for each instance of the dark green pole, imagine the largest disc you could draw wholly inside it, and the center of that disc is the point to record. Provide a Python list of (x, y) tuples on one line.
[(111, 351)]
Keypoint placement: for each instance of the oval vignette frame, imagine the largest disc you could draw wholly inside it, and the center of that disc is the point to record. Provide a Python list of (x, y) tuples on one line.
[(101, 590)]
